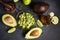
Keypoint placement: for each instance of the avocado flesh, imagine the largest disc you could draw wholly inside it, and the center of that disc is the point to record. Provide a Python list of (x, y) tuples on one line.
[(9, 24), (28, 36)]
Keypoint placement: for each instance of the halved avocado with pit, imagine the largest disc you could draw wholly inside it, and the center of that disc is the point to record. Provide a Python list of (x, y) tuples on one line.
[(34, 33), (9, 20)]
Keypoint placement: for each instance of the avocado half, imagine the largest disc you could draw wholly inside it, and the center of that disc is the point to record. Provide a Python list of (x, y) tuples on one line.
[(33, 36), (9, 24)]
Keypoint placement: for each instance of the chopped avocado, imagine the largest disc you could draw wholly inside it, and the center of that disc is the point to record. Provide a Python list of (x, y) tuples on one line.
[(11, 30), (34, 33), (9, 20), (26, 20)]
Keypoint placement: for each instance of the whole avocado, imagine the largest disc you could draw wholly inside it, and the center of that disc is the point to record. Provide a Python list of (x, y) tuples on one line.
[(41, 7)]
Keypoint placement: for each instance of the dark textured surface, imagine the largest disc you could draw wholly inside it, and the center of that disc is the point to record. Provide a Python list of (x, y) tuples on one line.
[(51, 32)]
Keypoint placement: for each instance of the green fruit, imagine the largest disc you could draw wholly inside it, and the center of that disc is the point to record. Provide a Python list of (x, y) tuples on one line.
[(11, 30), (15, 0), (34, 33), (26, 20), (39, 23), (26, 2), (9, 20), (55, 20)]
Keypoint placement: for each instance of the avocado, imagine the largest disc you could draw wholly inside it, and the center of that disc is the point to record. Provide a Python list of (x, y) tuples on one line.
[(26, 20), (9, 20), (33, 33), (12, 30)]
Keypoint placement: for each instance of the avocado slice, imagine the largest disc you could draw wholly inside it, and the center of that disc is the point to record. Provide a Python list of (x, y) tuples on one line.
[(11, 30), (34, 33), (9, 20), (39, 23)]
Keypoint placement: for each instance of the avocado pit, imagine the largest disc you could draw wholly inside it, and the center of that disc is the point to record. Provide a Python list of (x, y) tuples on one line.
[(34, 33), (9, 20)]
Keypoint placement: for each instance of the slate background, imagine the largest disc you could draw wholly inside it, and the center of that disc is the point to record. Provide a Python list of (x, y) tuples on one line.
[(49, 33)]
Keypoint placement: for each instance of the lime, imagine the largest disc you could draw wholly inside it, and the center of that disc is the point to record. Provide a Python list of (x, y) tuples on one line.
[(26, 2)]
